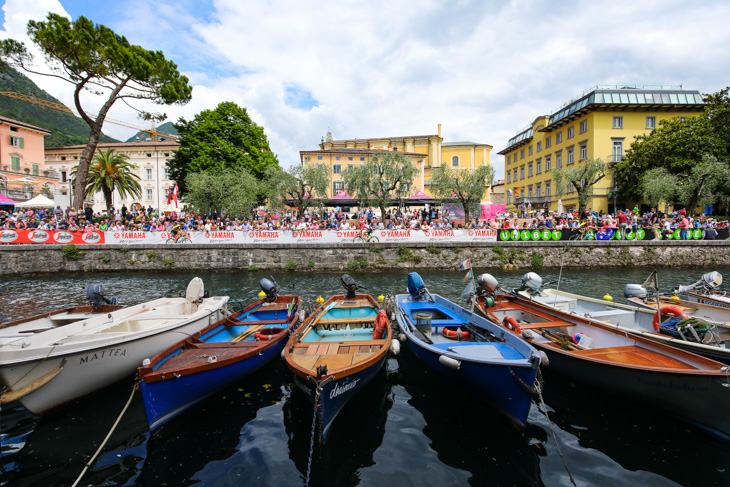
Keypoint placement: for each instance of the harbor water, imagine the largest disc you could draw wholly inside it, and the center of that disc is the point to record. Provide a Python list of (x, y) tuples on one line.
[(408, 427)]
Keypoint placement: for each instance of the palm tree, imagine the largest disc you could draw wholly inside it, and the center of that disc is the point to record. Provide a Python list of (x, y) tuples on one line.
[(110, 171)]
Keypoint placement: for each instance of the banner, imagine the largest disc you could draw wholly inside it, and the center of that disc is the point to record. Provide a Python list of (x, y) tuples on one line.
[(50, 237), (602, 234)]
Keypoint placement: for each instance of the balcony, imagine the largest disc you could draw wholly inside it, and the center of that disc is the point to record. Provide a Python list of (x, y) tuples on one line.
[(535, 200), (614, 158)]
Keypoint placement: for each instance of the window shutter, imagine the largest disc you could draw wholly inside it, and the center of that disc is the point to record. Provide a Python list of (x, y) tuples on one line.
[(21, 142)]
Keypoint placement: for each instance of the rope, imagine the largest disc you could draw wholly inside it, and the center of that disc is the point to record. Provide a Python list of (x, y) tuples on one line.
[(538, 388), (317, 406), (560, 275), (114, 426), (37, 365)]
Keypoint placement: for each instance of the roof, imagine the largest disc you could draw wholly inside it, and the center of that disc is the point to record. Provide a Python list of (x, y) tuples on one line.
[(454, 144), (360, 152), (415, 137), (103, 145), (28, 126)]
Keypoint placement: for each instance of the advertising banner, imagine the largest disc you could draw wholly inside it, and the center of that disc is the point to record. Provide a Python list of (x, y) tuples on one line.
[(50, 237)]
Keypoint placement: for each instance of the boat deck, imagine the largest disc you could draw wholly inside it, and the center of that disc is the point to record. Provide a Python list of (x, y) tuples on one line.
[(337, 355), (200, 354), (634, 355)]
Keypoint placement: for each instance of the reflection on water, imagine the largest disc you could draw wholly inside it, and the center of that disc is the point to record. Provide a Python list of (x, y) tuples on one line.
[(407, 424)]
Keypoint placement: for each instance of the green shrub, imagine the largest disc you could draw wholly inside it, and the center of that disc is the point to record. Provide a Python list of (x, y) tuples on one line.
[(457, 250), (152, 255), (253, 268), (536, 263), (311, 264), (377, 249), (381, 261), (123, 250), (355, 265), (291, 266), (104, 259), (417, 258), (433, 250), (498, 250), (72, 252), (168, 261)]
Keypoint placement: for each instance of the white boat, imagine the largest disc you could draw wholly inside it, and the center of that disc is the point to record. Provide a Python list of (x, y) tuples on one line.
[(644, 322), (99, 304), (48, 369)]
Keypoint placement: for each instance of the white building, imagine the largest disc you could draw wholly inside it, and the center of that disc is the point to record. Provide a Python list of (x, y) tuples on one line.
[(149, 157)]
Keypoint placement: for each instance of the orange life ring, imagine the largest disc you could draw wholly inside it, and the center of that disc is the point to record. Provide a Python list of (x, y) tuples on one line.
[(381, 321), (266, 334), (668, 310), (511, 323), (455, 333)]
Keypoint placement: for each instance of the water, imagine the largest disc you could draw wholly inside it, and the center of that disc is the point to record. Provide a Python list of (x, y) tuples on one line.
[(408, 426)]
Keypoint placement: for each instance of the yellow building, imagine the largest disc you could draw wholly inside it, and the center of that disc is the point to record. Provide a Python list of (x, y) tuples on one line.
[(599, 124), (426, 151)]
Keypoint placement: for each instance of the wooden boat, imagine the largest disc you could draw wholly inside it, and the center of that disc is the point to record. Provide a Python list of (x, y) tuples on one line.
[(219, 355), (469, 350), (52, 367), (682, 384), (338, 349), (99, 304), (709, 341)]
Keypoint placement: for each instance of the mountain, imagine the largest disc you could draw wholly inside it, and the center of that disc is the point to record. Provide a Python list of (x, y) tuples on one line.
[(66, 128), (165, 128)]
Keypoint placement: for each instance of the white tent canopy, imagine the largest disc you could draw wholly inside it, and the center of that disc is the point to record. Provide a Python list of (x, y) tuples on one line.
[(39, 201)]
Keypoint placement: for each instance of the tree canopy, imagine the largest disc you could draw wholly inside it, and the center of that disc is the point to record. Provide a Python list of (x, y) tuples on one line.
[(376, 182), (110, 171), (582, 179), (232, 191), (218, 140), (467, 186), (93, 58), (304, 186)]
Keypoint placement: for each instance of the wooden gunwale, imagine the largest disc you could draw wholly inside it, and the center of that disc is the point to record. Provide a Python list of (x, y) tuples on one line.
[(107, 308)]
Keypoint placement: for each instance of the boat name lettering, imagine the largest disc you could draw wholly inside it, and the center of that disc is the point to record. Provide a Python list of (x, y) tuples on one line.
[(713, 303), (337, 390), (674, 386), (112, 352)]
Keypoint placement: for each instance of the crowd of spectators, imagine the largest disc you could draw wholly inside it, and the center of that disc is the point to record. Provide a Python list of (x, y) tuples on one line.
[(147, 219)]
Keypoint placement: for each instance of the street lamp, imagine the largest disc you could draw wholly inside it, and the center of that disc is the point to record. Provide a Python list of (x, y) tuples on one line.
[(207, 204)]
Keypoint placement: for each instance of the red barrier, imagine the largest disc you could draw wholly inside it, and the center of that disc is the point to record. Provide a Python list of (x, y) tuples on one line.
[(50, 237)]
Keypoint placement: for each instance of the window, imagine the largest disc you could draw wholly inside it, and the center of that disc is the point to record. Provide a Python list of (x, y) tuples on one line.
[(547, 163), (529, 170), (405, 187), (338, 158), (166, 173), (618, 122), (571, 188), (651, 123), (362, 158), (571, 131), (320, 165), (350, 158), (538, 188), (36, 169), (522, 171), (339, 185), (509, 198), (509, 159), (548, 142), (13, 129), (569, 154), (15, 163), (538, 169), (559, 159), (547, 188), (558, 137), (584, 126), (539, 147), (509, 179), (350, 167), (149, 154), (166, 154), (529, 151), (16, 141), (337, 168), (319, 158), (149, 195), (148, 174), (583, 151), (64, 176), (529, 191), (455, 161), (618, 150), (522, 154), (514, 175)]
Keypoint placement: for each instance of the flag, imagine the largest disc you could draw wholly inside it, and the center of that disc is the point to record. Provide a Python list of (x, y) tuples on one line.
[(169, 195), (174, 194), (651, 282), (517, 192), (509, 192), (465, 265), (468, 275)]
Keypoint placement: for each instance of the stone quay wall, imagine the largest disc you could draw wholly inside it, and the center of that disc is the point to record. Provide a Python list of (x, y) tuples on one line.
[(45, 259)]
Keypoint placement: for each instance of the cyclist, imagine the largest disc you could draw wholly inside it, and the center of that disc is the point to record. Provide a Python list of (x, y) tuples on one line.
[(178, 230)]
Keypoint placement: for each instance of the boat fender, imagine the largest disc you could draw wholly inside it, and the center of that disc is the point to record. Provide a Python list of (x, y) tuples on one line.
[(146, 362), (283, 352), (449, 362), (380, 323), (402, 337), (668, 310), (544, 361), (511, 323), (527, 335), (266, 334), (455, 333), (394, 347)]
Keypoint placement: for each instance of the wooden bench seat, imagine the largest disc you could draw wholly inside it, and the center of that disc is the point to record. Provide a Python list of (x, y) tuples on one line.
[(546, 324)]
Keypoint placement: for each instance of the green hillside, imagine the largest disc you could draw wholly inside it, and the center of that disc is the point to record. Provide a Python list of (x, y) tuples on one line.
[(165, 128), (66, 129)]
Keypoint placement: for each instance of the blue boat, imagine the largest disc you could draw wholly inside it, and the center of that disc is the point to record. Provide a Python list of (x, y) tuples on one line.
[(338, 349), (482, 357), (217, 356)]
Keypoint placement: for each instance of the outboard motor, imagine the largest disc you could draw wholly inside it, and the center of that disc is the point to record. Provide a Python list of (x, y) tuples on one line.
[(95, 295), (270, 288), (487, 283), (350, 285), (635, 291), (708, 282), (416, 287), (531, 282)]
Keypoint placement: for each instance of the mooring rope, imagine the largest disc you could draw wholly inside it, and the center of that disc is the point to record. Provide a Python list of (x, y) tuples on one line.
[(114, 426), (317, 407), (538, 387)]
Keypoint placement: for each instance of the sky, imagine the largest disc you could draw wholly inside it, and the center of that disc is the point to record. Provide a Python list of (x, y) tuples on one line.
[(483, 69)]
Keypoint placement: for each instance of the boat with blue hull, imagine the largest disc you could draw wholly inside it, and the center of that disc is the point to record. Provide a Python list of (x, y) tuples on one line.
[(338, 350), (219, 355), (468, 349)]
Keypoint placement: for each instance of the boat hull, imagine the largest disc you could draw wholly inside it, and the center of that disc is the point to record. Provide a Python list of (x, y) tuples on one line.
[(86, 369)]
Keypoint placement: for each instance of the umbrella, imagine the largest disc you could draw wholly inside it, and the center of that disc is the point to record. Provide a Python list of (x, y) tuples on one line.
[(560, 207), (420, 195), (39, 201), (4, 200)]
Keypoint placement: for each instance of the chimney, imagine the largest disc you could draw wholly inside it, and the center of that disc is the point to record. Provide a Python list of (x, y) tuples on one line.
[(439, 130)]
